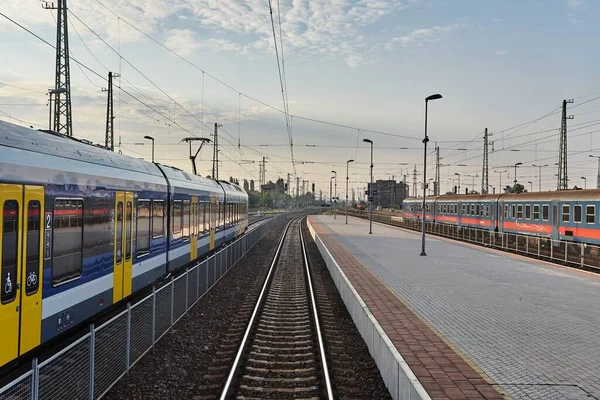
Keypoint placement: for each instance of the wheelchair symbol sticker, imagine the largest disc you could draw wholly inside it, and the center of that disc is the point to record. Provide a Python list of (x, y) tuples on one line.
[(8, 285)]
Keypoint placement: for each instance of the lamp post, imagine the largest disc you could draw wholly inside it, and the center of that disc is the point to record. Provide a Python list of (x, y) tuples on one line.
[(598, 173), (540, 175), (458, 191), (334, 191), (331, 192), (530, 186), (346, 204), (516, 165), (151, 138), (425, 140), (501, 172), (370, 189), (584, 182)]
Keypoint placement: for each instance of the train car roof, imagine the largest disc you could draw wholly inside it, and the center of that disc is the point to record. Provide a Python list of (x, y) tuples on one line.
[(231, 189), (469, 197), (569, 195), (182, 179), (57, 145)]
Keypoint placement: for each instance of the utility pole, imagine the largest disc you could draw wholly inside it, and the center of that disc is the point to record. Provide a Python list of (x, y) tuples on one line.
[(415, 181), (62, 105), (436, 188), (563, 180), (215, 167), (289, 189), (297, 187), (484, 175), (109, 140)]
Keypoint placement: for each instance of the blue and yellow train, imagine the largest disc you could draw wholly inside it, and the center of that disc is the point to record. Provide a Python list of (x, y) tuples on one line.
[(84, 228), (568, 215)]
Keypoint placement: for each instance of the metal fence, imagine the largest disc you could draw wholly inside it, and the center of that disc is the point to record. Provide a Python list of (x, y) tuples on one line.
[(582, 255), (91, 365)]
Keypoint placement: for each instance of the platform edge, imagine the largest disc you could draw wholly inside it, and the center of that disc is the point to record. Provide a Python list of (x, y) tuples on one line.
[(397, 375)]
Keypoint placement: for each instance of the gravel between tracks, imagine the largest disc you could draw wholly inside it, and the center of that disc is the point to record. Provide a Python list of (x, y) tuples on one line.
[(353, 371), (173, 370)]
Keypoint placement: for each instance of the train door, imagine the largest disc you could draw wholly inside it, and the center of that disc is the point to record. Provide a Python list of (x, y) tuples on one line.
[(212, 214), (21, 247), (123, 250), (500, 218), (555, 220), (194, 229)]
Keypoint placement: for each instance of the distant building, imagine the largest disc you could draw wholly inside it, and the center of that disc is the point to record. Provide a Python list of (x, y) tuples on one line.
[(389, 193), (268, 187)]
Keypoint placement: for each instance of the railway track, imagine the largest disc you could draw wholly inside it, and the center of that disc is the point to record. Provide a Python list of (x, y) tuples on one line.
[(281, 354)]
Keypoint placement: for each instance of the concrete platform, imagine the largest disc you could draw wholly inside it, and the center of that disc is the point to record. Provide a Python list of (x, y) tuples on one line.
[(531, 327)]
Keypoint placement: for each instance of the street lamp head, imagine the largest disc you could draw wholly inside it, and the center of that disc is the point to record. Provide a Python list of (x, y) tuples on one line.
[(584, 178), (349, 161), (456, 173), (368, 141), (148, 137), (519, 163), (333, 171), (434, 97)]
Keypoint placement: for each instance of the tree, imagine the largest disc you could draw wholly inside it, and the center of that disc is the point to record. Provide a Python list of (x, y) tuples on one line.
[(246, 185), (517, 188), (266, 200)]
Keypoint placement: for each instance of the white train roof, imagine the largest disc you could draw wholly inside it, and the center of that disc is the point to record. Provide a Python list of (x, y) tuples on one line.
[(19, 137)]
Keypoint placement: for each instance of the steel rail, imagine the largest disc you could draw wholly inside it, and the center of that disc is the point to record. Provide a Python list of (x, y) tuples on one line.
[(323, 357), (236, 363)]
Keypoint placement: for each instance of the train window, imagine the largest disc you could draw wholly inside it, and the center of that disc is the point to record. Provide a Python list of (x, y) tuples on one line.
[(67, 241), (528, 211), (565, 213), (158, 218), (177, 214), (128, 229), (119, 221), (506, 211), (536, 211), (590, 214), (487, 210), (472, 209), (98, 227), (464, 208), (143, 227), (520, 211), (545, 212), (205, 216), (186, 219), (514, 211), (577, 213), (32, 261), (477, 210), (10, 245)]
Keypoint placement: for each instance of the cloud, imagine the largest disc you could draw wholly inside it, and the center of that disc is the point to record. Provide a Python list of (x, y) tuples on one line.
[(181, 41), (326, 29), (418, 37), (501, 52), (575, 4)]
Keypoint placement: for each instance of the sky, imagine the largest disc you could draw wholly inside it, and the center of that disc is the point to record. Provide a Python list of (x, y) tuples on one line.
[(353, 69)]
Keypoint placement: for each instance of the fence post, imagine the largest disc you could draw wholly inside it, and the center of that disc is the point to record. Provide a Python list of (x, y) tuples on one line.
[(539, 246), (198, 281), (92, 352), (551, 249), (153, 315), (35, 379), (128, 348), (526, 245), (566, 252), (187, 290), (172, 298), (582, 254)]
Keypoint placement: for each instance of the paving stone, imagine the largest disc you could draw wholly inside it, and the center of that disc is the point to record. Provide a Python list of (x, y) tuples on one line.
[(531, 327)]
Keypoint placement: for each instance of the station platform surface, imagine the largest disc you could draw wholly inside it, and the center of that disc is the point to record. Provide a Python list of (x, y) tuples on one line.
[(529, 328)]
